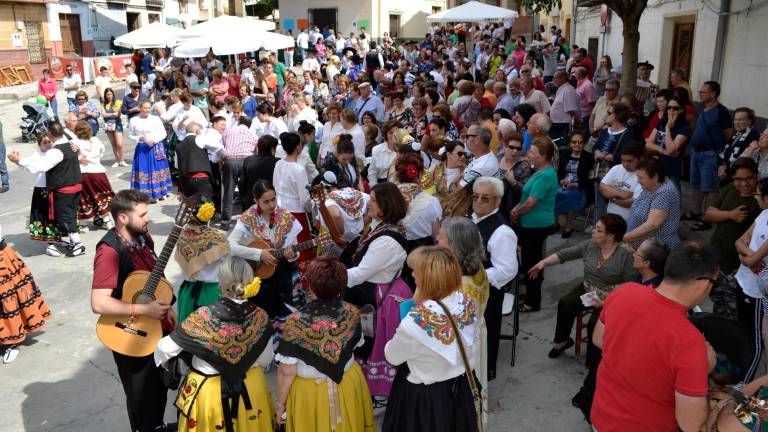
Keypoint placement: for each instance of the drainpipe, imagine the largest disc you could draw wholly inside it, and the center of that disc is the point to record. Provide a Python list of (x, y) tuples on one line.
[(574, 9), (722, 28)]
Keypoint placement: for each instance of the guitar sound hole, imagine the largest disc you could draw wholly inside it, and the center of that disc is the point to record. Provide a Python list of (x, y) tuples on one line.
[(142, 298)]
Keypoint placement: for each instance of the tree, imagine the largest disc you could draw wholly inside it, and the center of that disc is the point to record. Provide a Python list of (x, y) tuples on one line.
[(629, 11)]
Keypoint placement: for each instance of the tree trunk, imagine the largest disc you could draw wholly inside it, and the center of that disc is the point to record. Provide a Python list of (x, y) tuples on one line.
[(629, 59)]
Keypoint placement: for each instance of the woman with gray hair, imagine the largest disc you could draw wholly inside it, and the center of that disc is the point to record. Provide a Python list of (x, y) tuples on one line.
[(227, 370), (460, 235)]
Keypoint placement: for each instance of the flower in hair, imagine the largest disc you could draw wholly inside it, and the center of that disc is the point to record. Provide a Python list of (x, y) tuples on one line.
[(205, 212), (252, 288), (411, 172), (336, 139)]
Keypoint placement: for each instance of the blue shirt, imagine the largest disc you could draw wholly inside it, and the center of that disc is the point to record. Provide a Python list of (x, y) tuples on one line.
[(710, 125), (146, 64), (372, 103)]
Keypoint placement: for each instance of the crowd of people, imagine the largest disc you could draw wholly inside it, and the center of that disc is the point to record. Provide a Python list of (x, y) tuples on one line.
[(395, 192)]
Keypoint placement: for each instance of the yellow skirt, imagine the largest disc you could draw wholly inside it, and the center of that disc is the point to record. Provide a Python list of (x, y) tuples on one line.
[(309, 405), (199, 403)]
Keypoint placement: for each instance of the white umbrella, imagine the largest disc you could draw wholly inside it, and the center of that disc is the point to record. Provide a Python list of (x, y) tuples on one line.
[(230, 25), (473, 11), (154, 35), (228, 44)]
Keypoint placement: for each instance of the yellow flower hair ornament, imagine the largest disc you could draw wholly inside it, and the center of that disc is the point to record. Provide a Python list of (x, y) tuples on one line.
[(252, 288), (205, 212), (336, 139)]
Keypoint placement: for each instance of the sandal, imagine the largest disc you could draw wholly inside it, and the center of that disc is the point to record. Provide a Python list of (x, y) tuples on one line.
[(701, 226), (524, 308), (555, 352), (691, 216)]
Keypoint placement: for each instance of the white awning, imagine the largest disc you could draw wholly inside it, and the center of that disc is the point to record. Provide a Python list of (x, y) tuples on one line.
[(473, 11), (153, 35), (226, 44)]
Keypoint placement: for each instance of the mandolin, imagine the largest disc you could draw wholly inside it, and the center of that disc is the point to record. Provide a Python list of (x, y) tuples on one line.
[(339, 247), (138, 336), (264, 270)]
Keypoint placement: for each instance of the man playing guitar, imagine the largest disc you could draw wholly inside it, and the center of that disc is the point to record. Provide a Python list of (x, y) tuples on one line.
[(126, 248)]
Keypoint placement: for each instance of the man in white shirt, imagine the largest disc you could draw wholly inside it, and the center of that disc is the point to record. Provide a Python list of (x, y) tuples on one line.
[(246, 77), (130, 77), (484, 164), (310, 63), (340, 43), (620, 187), (72, 83), (500, 261), (536, 98), (265, 124), (368, 102), (565, 107), (302, 41), (102, 82), (186, 115)]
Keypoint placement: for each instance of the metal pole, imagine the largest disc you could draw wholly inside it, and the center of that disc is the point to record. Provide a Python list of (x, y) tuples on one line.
[(722, 28)]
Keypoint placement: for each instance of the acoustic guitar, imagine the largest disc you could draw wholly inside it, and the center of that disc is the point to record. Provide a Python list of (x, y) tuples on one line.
[(264, 270), (138, 336), (339, 247)]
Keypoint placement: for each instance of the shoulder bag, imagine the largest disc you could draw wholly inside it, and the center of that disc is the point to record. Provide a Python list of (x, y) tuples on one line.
[(470, 375), (368, 312)]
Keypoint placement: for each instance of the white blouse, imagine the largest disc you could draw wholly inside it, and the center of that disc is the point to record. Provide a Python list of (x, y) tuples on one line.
[(748, 280), (380, 162), (330, 131), (32, 163), (150, 127), (307, 114), (423, 211), (358, 139), (304, 159), (352, 227), (242, 236), (93, 150), (290, 181), (381, 263), (184, 118)]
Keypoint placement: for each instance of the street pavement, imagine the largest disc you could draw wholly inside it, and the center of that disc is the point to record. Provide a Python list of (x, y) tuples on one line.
[(65, 380)]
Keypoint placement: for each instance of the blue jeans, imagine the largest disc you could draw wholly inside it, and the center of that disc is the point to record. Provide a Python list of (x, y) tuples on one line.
[(704, 171), (55, 108), (3, 167), (302, 54)]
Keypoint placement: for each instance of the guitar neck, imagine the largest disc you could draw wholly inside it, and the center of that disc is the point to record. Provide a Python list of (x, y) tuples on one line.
[(296, 248), (162, 261)]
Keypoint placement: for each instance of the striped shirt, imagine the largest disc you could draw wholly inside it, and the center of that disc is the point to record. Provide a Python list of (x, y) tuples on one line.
[(239, 142)]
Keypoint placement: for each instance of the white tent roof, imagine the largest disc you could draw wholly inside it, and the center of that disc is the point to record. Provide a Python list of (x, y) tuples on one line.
[(473, 11), (153, 35), (229, 25), (225, 43)]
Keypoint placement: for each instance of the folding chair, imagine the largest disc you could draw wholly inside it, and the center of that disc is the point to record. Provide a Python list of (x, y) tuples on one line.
[(515, 287)]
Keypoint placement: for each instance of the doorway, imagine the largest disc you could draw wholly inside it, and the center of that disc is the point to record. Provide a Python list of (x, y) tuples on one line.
[(323, 18), (682, 46), (35, 43), (71, 40), (394, 26), (132, 21)]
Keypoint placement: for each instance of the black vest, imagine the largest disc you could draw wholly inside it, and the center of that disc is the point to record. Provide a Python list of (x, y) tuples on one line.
[(65, 173), (372, 60), (191, 158), (358, 256), (487, 227), (113, 240)]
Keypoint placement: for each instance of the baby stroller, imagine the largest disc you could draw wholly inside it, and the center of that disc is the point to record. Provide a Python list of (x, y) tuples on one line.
[(36, 122)]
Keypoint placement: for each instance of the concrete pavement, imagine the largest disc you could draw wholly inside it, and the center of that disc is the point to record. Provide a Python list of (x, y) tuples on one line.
[(65, 380)]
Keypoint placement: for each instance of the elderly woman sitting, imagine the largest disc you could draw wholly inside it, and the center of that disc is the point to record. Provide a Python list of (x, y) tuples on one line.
[(607, 264)]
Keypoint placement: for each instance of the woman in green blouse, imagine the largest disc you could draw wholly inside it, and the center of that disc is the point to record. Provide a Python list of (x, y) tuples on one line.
[(607, 264)]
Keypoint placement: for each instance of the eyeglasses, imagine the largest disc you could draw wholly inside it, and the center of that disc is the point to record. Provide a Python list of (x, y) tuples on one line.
[(713, 281), (673, 108), (513, 147), (743, 179), (468, 135), (485, 199), (638, 256), (461, 154), (577, 142)]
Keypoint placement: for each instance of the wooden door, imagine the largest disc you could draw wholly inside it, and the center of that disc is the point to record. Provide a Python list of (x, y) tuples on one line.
[(394, 25), (35, 44), (682, 47), (71, 40)]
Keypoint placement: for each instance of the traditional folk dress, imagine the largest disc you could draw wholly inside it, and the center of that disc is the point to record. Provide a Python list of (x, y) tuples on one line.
[(477, 288), (281, 229), (22, 307), (432, 391), (438, 180), (230, 341), (352, 205), (149, 172), (41, 227), (199, 252), (385, 290), (290, 180), (329, 392), (96, 196), (423, 210)]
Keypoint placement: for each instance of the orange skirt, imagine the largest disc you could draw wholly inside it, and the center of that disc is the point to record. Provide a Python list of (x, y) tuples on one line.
[(22, 307)]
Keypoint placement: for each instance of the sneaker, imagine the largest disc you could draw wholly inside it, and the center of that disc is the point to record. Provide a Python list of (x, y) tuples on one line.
[(82, 229), (123, 164), (588, 229), (224, 226), (108, 223), (116, 164), (68, 250), (10, 354), (75, 249), (56, 249), (5, 189)]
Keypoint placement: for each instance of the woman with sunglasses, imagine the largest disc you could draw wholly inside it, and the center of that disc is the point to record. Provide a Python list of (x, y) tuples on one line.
[(444, 177), (669, 139), (573, 175), (86, 110)]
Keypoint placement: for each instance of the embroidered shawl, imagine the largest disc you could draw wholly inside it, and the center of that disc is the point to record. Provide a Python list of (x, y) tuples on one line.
[(477, 288), (199, 246), (428, 323), (373, 234), (433, 181), (350, 201), (228, 335), (322, 334), (260, 228)]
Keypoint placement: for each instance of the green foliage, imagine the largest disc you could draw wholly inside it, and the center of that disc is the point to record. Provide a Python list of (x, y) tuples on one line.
[(541, 5), (263, 9)]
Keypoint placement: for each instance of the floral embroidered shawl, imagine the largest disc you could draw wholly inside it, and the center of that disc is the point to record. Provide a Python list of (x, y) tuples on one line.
[(259, 225), (350, 200), (322, 334), (228, 335), (198, 246)]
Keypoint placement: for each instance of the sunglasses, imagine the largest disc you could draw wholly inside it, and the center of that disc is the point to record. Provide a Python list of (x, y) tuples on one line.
[(514, 147), (461, 154), (713, 281), (485, 199), (673, 108)]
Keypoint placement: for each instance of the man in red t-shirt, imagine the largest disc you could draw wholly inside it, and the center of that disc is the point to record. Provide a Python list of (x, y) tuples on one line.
[(145, 393), (653, 376)]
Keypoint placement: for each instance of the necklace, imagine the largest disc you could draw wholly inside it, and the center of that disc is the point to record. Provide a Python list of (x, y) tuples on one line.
[(602, 260)]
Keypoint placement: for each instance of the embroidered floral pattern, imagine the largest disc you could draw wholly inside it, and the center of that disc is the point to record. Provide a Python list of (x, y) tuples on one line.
[(438, 326), (322, 335), (195, 241), (353, 204), (230, 341), (259, 225), (476, 287)]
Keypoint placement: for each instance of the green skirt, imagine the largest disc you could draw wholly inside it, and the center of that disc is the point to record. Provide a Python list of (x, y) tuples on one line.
[(193, 295)]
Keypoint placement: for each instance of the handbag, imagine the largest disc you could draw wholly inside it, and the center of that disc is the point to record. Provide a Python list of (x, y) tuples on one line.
[(368, 313), (159, 149), (173, 371), (470, 376)]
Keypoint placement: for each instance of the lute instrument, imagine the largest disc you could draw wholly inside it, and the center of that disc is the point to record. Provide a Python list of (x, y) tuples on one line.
[(138, 336), (339, 247), (264, 270)]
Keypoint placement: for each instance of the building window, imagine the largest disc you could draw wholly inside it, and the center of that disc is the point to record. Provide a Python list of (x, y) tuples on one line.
[(394, 26), (436, 9)]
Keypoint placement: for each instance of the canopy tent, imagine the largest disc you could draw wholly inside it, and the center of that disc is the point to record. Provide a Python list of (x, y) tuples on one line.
[(228, 25), (473, 11), (223, 43), (153, 35)]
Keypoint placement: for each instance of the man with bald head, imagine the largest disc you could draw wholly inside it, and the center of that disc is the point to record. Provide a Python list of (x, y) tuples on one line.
[(70, 121), (534, 97), (565, 108)]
